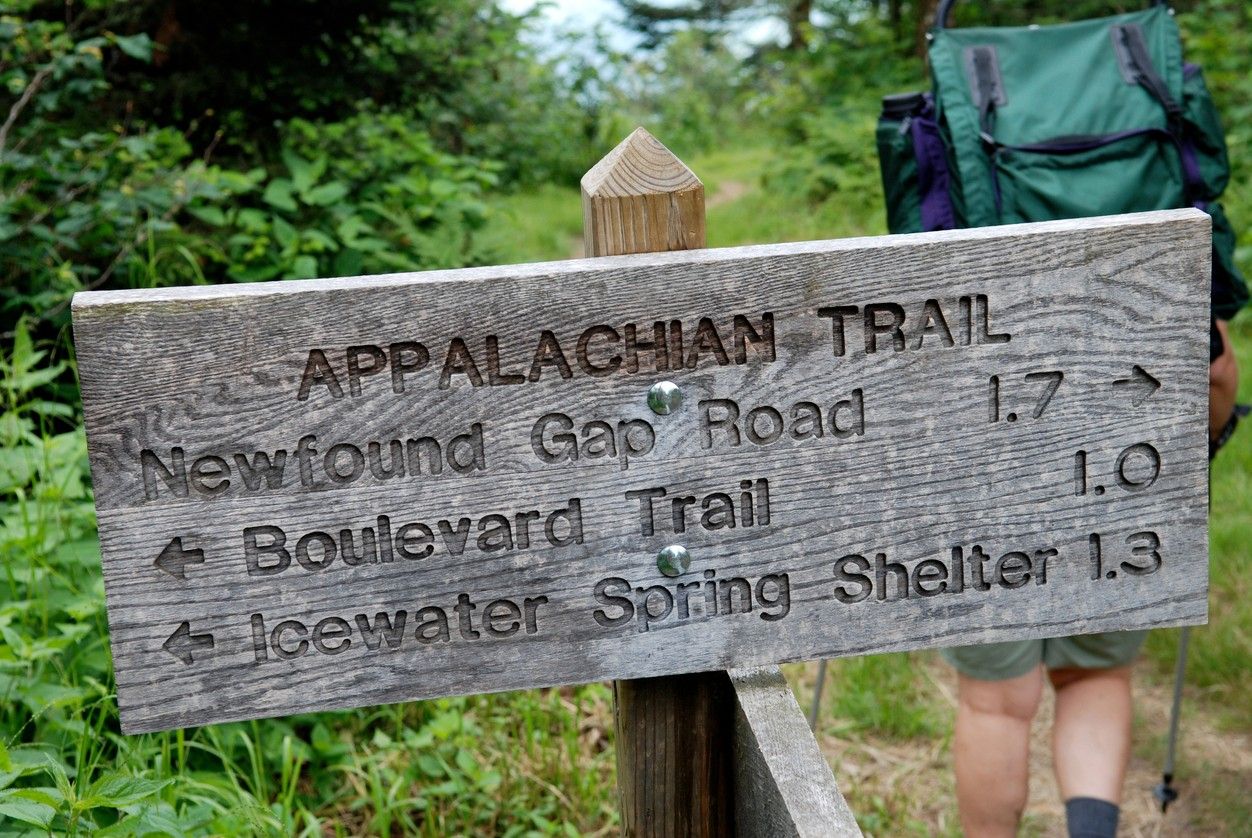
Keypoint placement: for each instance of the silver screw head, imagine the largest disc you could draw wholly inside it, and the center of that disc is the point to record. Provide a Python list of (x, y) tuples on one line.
[(673, 560), (664, 398)]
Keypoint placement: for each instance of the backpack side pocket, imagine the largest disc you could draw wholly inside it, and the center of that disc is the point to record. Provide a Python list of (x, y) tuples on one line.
[(898, 163), (914, 164), (1203, 133)]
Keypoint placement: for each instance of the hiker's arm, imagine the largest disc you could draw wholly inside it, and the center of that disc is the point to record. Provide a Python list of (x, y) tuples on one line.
[(1223, 383)]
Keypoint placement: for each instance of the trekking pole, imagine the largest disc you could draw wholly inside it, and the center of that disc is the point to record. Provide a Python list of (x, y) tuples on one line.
[(1165, 793), (817, 694)]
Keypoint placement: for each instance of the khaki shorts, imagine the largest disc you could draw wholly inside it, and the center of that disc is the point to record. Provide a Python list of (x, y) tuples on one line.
[(1000, 661)]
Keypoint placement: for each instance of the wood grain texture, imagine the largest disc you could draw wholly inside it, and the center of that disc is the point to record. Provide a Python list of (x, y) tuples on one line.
[(674, 733), (783, 784), (640, 198), (674, 740), (215, 371)]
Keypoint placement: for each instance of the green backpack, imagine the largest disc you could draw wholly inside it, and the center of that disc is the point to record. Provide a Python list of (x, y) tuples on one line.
[(1034, 123)]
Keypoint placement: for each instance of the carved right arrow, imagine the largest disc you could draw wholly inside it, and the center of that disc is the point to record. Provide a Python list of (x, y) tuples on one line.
[(1141, 385), (181, 643), (174, 559)]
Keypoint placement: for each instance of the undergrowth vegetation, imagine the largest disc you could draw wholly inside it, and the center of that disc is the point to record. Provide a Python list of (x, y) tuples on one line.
[(444, 141)]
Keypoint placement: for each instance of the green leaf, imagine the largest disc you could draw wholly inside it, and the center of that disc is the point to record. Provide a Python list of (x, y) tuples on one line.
[(304, 267), (284, 233), (430, 766), (116, 790), (14, 804), (304, 173), (442, 189), (466, 762), (326, 194), (254, 220), (278, 194), (138, 46), (351, 227), (213, 216), (27, 381), (22, 347), (46, 796), (318, 242), (254, 273), (47, 408), (42, 695), (27, 811), (148, 821)]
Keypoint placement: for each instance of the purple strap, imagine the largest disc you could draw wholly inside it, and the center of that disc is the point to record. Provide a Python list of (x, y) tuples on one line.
[(933, 177)]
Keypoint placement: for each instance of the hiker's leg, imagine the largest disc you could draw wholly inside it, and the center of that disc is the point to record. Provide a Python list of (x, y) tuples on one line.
[(992, 751), (1091, 734), (1223, 383)]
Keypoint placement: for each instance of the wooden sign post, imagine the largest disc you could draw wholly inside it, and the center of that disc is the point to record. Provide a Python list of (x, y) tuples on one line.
[(674, 734), (336, 493)]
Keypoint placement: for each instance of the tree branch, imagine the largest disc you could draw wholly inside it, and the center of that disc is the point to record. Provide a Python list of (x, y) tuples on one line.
[(31, 89)]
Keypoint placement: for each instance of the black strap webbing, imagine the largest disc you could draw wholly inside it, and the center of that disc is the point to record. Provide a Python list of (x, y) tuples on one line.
[(1136, 61), (982, 70), (1135, 51)]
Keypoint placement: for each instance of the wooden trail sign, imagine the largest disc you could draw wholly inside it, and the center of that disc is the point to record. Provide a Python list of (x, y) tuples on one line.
[(335, 493)]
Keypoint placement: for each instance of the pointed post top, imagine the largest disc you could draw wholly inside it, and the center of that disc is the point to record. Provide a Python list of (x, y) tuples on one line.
[(640, 198), (639, 165)]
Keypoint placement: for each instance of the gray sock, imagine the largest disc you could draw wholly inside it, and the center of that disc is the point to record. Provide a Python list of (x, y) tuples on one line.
[(1089, 817)]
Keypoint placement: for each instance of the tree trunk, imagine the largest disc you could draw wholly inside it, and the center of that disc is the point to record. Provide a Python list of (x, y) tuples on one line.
[(922, 23), (798, 14)]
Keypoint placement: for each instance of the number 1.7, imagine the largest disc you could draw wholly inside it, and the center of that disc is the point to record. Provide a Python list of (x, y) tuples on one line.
[(1051, 381)]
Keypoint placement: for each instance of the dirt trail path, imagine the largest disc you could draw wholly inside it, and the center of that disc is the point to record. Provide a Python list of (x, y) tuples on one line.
[(916, 775), (727, 191)]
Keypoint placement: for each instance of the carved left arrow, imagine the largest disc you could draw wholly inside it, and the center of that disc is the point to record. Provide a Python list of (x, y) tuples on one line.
[(181, 643), (1141, 385), (174, 559)]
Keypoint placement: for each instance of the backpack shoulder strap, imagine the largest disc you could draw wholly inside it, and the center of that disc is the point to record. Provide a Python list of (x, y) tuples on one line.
[(1137, 67)]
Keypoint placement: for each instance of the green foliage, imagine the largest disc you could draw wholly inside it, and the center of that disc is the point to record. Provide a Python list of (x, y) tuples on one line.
[(836, 160), (366, 195), (92, 203), (91, 197), (232, 75), (1217, 35), (694, 88), (84, 207), (539, 225)]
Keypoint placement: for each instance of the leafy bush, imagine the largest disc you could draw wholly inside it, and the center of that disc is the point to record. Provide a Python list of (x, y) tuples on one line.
[(83, 205), (366, 195), (88, 202)]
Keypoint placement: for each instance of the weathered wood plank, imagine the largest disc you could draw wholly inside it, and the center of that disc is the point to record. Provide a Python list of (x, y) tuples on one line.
[(216, 372), (673, 733), (783, 785)]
